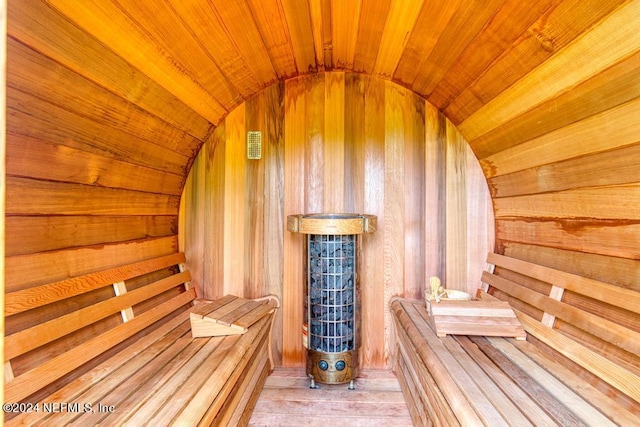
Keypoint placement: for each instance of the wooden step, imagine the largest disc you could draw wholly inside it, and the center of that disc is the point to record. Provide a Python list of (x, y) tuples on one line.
[(287, 400)]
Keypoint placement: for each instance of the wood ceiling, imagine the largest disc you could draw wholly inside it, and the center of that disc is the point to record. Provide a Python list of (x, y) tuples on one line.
[(215, 54)]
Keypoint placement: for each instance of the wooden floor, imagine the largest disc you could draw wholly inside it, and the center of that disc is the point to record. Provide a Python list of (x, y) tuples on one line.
[(287, 400)]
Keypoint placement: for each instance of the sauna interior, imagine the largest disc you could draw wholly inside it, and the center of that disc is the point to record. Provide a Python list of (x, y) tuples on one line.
[(465, 127)]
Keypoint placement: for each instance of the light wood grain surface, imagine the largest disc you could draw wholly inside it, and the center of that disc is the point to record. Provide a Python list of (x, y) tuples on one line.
[(384, 174)]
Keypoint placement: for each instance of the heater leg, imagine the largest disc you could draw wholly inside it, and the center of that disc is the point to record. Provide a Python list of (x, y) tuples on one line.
[(313, 385)]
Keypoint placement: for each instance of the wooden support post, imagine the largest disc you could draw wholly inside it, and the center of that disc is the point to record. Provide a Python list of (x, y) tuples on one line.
[(187, 285), (555, 293), (8, 371), (127, 313)]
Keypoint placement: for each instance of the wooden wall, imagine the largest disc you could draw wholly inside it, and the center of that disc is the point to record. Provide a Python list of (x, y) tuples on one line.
[(96, 158), (97, 154), (562, 164), (560, 149), (336, 142)]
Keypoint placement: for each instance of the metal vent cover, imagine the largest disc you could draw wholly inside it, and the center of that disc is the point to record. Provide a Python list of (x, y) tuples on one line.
[(254, 145)]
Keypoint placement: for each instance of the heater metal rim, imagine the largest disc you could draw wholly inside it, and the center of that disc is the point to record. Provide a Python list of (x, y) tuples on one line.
[(331, 223)]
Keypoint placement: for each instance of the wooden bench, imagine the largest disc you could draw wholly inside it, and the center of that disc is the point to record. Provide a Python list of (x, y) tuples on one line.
[(115, 347), (575, 368)]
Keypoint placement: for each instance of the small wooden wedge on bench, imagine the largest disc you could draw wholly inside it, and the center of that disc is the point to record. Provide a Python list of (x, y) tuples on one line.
[(230, 315)]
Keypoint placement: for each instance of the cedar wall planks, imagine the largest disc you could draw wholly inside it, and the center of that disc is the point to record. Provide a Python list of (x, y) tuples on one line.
[(336, 142), (95, 165), (561, 163), (96, 160), (97, 154)]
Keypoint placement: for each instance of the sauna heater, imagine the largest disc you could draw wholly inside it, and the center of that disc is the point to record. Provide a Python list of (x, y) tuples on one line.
[(331, 324)]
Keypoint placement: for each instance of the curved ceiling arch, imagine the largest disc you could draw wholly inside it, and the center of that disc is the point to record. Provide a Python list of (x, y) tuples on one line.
[(478, 62)]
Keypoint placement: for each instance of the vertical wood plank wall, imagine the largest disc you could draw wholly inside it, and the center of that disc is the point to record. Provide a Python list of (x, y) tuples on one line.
[(336, 142)]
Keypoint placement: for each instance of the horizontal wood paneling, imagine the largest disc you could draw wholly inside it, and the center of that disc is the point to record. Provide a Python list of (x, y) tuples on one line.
[(55, 124), (613, 202), (556, 26), (97, 153), (616, 36), (23, 271), (36, 24), (156, 48), (349, 142), (509, 25), (65, 88), (270, 20), (614, 167), (602, 132), (31, 157), (612, 238), (46, 233), (612, 87), (461, 54), (34, 197), (560, 154)]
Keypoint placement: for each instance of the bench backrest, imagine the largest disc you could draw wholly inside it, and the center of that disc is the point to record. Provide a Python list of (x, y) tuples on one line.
[(55, 328), (593, 323)]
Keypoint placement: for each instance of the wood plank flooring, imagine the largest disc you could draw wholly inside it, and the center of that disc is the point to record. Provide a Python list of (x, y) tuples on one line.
[(287, 400)]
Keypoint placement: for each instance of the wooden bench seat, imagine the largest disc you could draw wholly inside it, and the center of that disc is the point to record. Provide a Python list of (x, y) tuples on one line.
[(119, 350), (552, 378)]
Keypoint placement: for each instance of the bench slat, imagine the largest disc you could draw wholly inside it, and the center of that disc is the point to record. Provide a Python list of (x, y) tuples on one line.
[(614, 374), (596, 325), (222, 304), (419, 400), (27, 299), (496, 397), (251, 317), (473, 393), (514, 393), (245, 399), (174, 392), (225, 376), (582, 409), (595, 397), (44, 374), (190, 387), (125, 380), (539, 395), (424, 384), (160, 372), (437, 367), (614, 295), (146, 347), (153, 376), (34, 337), (238, 384), (233, 317)]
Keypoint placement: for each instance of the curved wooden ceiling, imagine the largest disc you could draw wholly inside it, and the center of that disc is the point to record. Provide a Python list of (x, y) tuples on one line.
[(214, 54)]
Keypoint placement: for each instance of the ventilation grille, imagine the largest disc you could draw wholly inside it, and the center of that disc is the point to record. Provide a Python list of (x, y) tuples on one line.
[(254, 145)]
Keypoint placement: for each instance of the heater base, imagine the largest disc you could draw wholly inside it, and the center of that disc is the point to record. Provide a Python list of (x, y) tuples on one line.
[(332, 368)]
